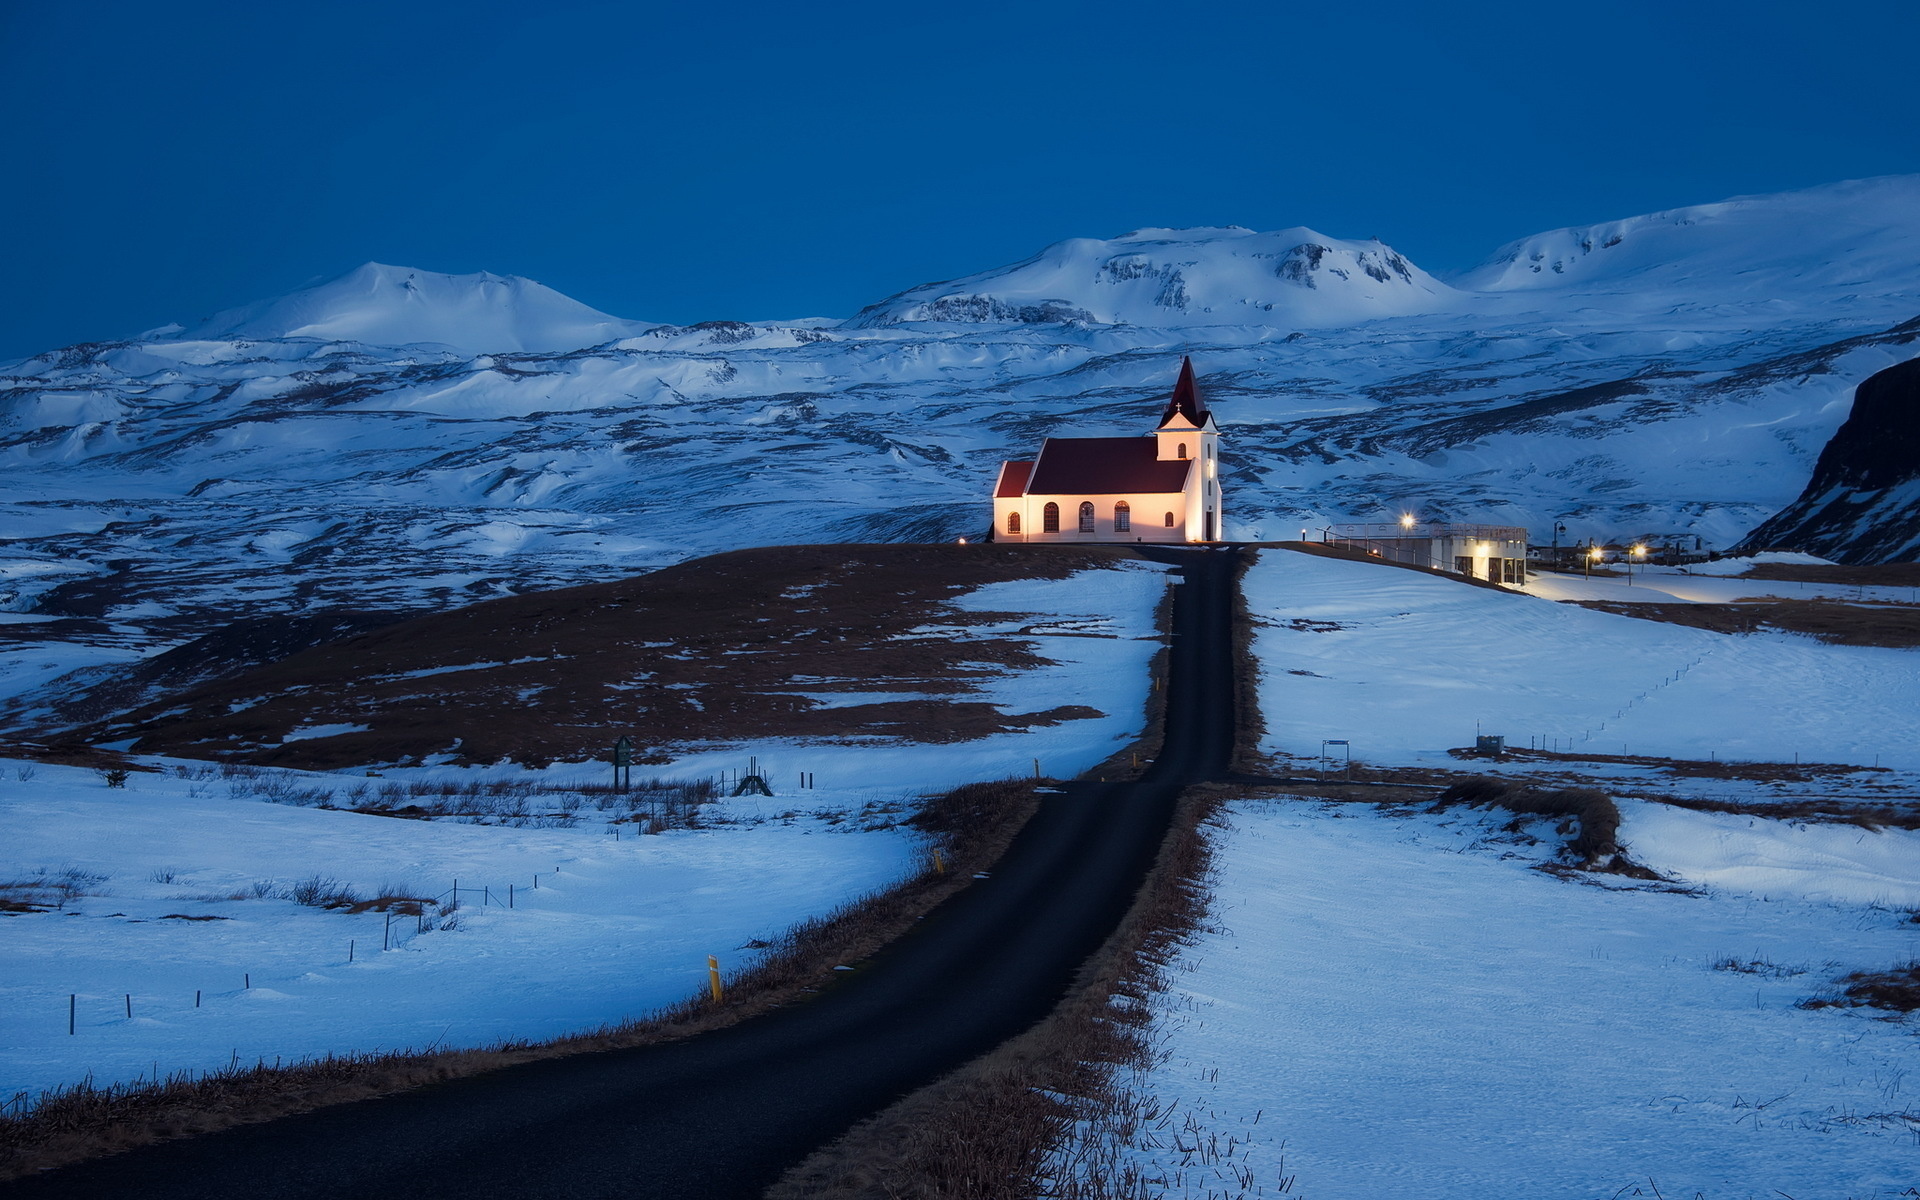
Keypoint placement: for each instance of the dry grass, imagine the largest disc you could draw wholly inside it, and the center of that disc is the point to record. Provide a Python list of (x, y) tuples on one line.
[(47, 889), (1697, 768), (728, 647), (972, 825), (1249, 724), (1867, 815), (1897, 990), (1595, 816), (1830, 621), (1881, 575)]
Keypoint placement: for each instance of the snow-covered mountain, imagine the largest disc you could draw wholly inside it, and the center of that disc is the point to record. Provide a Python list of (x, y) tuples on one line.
[(399, 306), (1293, 278), (397, 439), (1826, 244)]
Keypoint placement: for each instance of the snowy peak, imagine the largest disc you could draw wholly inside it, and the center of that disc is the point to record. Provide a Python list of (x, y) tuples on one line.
[(1182, 277), (399, 306), (1862, 236)]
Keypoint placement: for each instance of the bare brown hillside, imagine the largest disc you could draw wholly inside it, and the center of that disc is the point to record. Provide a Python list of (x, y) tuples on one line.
[(732, 646)]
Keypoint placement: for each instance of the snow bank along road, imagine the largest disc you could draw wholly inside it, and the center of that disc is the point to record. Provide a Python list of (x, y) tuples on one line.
[(725, 1114)]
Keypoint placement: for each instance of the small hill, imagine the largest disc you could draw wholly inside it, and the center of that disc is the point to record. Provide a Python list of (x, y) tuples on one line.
[(777, 642), (381, 305)]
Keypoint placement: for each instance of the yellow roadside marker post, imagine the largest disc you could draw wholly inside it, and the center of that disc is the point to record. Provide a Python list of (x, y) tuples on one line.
[(713, 979)]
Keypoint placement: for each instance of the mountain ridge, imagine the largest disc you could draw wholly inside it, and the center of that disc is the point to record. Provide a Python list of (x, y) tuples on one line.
[(155, 488)]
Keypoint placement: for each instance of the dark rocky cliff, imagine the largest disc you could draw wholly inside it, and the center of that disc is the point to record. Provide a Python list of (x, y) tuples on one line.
[(1863, 503)]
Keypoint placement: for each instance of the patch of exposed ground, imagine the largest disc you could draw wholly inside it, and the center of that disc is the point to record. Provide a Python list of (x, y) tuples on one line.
[(1896, 625), (1897, 990), (1882, 575), (758, 643)]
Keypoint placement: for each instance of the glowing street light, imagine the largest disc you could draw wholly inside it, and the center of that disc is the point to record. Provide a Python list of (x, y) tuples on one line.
[(1593, 556), (1406, 520)]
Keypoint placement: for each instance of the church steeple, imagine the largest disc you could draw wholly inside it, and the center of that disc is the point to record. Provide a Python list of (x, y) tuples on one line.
[(1186, 401)]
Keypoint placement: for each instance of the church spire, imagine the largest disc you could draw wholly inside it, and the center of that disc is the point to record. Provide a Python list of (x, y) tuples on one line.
[(1186, 401)]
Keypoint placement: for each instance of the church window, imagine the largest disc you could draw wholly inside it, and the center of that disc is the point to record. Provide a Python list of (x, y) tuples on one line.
[(1183, 449), (1122, 517), (1013, 522), (1169, 520), (1086, 516), (1050, 518)]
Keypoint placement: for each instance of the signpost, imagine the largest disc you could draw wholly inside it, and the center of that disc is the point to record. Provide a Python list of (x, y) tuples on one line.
[(1342, 743), (623, 763)]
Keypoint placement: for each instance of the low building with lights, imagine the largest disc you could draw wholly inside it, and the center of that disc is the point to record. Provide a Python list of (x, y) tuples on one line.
[(1164, 487), (1496, 553)]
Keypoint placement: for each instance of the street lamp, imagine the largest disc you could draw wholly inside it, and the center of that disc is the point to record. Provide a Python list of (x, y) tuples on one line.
[(1406, 520), (1593, 556), (1639, 556), (1558, 529)]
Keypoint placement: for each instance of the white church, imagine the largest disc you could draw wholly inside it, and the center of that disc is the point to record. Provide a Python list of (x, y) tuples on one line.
[(1164, 487)]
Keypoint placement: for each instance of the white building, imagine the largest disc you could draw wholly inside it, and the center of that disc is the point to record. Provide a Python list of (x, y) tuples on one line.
[(1164, 487), (1497, 553)]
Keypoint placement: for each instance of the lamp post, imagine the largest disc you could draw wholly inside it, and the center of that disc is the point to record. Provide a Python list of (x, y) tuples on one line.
[(1593, 556), (1640, 556), (1558, 529)]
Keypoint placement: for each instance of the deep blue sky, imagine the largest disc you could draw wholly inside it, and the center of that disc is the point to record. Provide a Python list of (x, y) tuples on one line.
[(690, 161)]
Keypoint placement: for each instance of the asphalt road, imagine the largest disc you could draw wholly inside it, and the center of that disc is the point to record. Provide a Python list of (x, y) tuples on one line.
[(724, 1114)]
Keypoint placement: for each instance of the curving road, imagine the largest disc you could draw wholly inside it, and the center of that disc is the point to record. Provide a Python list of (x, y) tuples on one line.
[(724, 1114)]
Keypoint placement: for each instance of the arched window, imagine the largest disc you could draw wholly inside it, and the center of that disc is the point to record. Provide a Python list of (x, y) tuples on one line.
[(1050, 518), (1122, 517), (1086, 516), (1183, 449), (1013, 522), (1169, 520)]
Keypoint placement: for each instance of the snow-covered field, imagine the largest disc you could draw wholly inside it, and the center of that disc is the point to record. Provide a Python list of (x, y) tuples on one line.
[(1405, 665), (1398, 1006), (616, 927), (1394, 1003)]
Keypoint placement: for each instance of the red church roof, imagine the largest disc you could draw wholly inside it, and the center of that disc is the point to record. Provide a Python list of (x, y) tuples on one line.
[(1101, 467), (1186, 401), (1013, 480)]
